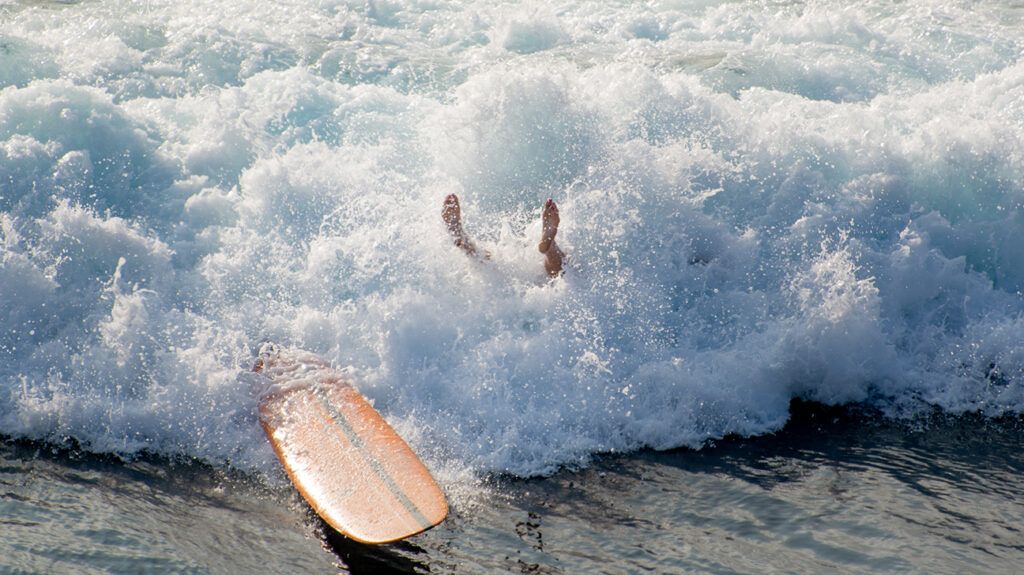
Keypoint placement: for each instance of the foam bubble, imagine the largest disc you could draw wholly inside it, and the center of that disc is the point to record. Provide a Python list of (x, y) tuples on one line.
[(529, 33)]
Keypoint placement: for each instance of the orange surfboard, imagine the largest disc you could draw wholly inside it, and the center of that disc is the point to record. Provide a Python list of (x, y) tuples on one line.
[(345, 460)]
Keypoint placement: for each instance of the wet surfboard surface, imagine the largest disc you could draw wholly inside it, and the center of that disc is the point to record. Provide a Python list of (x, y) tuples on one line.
[(352, 468)]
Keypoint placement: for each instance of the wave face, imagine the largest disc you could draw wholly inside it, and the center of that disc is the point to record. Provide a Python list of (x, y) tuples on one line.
[(760, 201)]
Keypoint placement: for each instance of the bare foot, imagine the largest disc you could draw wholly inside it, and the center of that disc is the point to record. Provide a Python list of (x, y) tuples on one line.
[(547, 245), (452, 216), (549, 216)]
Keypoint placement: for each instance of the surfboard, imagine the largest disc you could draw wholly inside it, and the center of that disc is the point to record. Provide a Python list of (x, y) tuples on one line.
[(352, 468)]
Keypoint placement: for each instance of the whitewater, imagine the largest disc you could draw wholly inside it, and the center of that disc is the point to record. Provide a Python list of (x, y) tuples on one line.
[(760, 201)]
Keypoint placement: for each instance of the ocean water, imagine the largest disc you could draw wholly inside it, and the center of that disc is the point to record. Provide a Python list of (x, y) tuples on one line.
[(835, 491), (762, 202)]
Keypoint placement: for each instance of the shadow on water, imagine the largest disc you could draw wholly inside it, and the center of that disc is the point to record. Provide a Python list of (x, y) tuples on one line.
[(361, 559), (943, 449), (965, 451)]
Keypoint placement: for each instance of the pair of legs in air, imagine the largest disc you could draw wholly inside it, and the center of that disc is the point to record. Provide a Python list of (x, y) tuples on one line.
[(553, 256)]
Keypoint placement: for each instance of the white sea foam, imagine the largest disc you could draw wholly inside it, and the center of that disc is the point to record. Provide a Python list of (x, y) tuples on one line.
[(760, 202)]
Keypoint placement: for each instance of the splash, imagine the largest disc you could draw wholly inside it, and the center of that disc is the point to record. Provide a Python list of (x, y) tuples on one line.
[(760, 202)]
